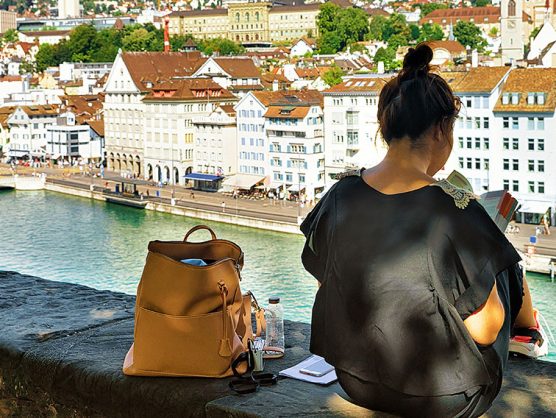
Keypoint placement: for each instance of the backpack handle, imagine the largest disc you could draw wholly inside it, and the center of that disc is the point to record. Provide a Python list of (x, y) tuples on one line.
[(198, 227)]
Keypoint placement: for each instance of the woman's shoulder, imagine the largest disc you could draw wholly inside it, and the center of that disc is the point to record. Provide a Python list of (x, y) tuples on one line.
[(461, 198)]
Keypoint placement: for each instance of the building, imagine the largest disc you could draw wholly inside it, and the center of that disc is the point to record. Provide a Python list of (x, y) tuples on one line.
[(5, 113), (237, 74), (132, 77), (68, 8), (302, 47), (44, 36), (69, 141), (168, 129), (28, 126), (542, 50), (541, 11), (248, 22), (351, 139), (215, 154), (7, 21), (511, 30), (525, 118)]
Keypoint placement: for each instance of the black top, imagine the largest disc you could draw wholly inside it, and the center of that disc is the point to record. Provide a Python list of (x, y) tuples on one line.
[(398, 274)]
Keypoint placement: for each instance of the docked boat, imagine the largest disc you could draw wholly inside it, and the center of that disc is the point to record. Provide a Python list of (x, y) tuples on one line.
[(126, 194)]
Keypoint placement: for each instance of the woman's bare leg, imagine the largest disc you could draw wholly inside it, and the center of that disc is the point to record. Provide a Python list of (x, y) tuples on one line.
[(525, 317)]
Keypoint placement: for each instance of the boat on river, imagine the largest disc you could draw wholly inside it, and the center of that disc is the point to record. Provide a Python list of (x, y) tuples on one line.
[(125, 194)]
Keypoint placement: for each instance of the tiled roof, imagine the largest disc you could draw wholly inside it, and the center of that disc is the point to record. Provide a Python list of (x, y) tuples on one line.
[(453, 47), (88, 104), (479, 14), (284, 98), (10, 78), (188, 89), (199, 13), (5, 113), (159, 66), (529, 80), (310, 73), (369, 85), (26, 46), (371, 11), (229, 109), (309, 41), (477, 79), (238, 67), (36, 110), (289, 112), (97, 126)]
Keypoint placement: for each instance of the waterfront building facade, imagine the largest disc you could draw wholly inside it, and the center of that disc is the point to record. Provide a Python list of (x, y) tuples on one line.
[(168, 128), (28, 126), (351, 139)]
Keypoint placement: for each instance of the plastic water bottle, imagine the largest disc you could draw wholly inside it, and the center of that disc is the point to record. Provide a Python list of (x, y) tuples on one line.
[(274, 317)]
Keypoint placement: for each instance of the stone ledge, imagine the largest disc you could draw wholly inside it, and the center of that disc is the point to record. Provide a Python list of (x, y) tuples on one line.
[(62, 348)]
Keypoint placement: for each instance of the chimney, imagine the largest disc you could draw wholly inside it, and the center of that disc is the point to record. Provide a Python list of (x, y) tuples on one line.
[(380, 67)]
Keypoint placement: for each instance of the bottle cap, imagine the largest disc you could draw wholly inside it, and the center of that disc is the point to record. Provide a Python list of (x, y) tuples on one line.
[(273, 300)]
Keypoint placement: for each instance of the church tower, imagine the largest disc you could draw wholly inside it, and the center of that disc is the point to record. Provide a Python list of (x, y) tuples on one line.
[(511, 24)]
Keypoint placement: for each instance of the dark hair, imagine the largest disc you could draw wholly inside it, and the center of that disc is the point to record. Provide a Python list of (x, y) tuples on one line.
[(415, 100)]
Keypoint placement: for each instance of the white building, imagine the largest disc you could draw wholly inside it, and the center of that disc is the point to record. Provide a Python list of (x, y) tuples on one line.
[(215, 154), (28, 126), (69, 141), (68, 8), (303, 46), (512, 30), (168, 129), (351, 139), (132, 77)]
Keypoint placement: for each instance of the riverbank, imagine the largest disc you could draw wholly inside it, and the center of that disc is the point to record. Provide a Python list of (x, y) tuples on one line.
[(62, 348), (236, 213)]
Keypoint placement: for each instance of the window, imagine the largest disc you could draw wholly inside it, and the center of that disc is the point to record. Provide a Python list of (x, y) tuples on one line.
[(506, 122), (469, 143), (469, 162), (511, 8), (506, 143), (515, 123), (506, 164), (540, 144), (531, 187), (460, 142), (515, 165), (540, 187), (477, 123), (460, 159), (531, 144), (486, 164), (477, 163), (506, 184), (515, 143), (477, 102), (530, 98), (468, 123), (540, 123), (531, 165), (515, 186), (540, 166), (486, 123), (485, 102), (468, 102), (530, 123), (505, 98), (486, 143), (477, 143)]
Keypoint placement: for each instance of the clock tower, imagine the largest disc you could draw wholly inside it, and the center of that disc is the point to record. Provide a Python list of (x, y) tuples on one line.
[(511, 25)]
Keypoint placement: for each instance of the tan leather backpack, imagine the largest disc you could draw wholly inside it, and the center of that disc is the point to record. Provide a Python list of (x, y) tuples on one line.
[(190, 320)]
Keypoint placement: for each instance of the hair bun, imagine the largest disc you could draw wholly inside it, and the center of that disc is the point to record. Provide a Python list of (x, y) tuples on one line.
[(418, 59)]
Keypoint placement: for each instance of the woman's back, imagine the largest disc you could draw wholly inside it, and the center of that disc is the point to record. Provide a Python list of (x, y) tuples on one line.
[(399, 274)]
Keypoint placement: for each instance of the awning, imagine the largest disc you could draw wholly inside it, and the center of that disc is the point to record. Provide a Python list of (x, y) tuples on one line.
[(202, 177), (242, 181), (295, 188), (534, 207), (275, 186)]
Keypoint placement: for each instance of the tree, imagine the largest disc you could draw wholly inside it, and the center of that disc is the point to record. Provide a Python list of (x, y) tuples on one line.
[(427, 8), (340, 27), (482, 3), (327, 17), (138, 40), (353, 25), (388, 57), (414, 32), (376, 28), (469, 34), (431, 32), (220, 45), (329, 43), (396, 41), (395, 25), (10, 36), (333, 76), (82, 43), (45, 57)]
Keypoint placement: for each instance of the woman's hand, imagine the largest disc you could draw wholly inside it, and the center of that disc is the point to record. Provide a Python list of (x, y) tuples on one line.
[(485, 323)]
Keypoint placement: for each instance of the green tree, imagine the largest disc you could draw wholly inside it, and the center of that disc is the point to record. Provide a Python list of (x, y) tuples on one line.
[(329, 43), (333, 76), (138, 40), (353, 25), (469, 34), (62, 53), (26, 67), (82, 43), (376, 28), (327, 18), (388, 57), (10, 36), (221, 45), (414, 32), (427, 8), (482, 3), (431, 32), (395, 25), (396, 41), (45, 57)]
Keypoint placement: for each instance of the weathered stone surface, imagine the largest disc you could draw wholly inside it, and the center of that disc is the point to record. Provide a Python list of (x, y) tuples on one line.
[(62, 348)]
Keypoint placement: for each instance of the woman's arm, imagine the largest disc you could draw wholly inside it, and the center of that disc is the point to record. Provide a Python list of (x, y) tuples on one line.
[(485, 323)]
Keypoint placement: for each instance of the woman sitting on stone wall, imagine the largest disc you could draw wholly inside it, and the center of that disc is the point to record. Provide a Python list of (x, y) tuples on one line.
[(419, 289)]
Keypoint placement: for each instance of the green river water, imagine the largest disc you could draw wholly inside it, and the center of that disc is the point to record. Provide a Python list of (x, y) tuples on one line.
[(77, 240)]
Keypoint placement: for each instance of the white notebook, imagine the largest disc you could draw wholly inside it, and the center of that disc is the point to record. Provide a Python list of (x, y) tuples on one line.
[(294, 373)]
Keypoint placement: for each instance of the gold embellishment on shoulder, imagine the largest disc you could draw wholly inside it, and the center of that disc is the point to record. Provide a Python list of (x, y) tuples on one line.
[(461, 197), (340, 176)]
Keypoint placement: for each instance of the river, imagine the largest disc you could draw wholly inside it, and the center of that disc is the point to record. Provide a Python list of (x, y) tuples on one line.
[(101, 245)]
